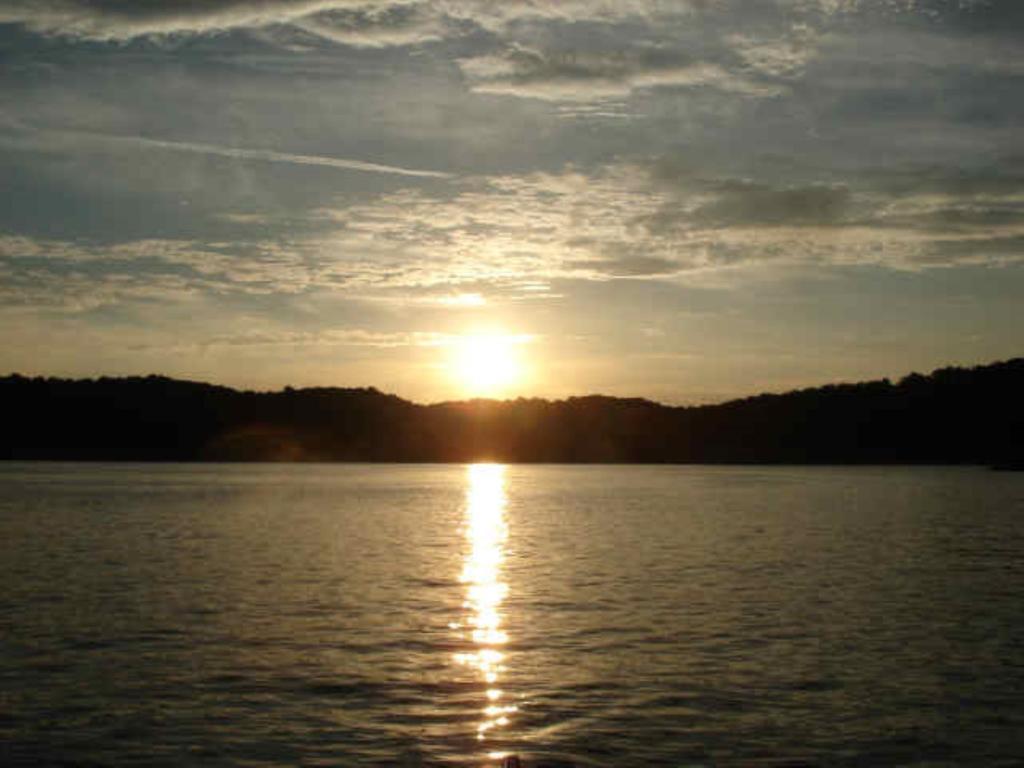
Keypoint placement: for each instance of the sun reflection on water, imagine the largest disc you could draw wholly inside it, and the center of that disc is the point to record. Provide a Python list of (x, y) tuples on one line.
[(486, 533)]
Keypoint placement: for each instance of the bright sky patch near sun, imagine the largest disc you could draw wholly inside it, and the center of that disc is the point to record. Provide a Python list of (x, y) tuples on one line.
[(680, 200), (488, 364)]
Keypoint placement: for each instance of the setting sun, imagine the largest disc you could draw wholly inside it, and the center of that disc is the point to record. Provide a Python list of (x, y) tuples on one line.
[(487, 364)]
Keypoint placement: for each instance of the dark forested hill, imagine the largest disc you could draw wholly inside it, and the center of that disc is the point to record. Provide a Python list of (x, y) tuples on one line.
[(954, 415)]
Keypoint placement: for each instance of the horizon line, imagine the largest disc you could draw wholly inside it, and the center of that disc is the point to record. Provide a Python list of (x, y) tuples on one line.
[(371, 388)]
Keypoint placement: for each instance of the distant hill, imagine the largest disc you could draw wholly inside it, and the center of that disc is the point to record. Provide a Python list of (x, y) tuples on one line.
[(952, 416)]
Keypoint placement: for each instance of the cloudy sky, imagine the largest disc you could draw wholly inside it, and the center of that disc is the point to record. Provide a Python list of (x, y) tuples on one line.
[(686, 200)]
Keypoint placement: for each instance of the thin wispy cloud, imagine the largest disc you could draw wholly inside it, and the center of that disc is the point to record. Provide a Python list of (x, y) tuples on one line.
[(354, 337), (259, 155)]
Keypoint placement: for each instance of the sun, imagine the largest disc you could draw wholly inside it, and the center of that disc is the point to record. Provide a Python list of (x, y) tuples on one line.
[(487, 364)]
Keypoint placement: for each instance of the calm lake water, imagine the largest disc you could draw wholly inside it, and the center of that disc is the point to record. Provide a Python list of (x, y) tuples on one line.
[(357, 615)]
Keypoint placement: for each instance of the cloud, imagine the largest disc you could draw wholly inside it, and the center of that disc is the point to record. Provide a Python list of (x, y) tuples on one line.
[(782, 56), (519, 236), (498, 231), (951, 216), (118, 20), (583, 77), (340, 337), (237, 153), (353, 22), (75, 276), (54, 277), (378, 27), (999, 180), (402, 22), (744, 203), (626, 266), (123, 20), (626, 220), (499, 17), (1008, 249)]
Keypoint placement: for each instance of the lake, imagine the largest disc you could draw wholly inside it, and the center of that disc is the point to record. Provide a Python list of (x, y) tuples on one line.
[(386, 615)]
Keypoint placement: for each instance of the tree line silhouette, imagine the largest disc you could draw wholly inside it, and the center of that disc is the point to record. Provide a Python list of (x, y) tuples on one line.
[(951, 416)]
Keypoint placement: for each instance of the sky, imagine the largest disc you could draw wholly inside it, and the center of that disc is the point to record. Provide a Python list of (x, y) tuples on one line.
[(685, 200)]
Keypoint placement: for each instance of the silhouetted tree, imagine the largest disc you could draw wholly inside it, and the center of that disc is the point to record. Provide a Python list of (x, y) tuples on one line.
[(953, 415)]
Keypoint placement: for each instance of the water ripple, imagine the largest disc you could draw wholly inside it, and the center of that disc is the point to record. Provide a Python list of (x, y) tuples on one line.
[(379, 616)]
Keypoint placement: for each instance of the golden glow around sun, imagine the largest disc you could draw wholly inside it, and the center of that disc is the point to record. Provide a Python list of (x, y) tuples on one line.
[(488, 364)]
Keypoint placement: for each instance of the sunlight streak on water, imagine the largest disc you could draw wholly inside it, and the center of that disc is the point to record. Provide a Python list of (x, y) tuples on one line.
[(486, 533)]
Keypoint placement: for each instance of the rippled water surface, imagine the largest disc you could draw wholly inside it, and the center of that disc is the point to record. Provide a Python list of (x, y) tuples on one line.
[(445, 615)]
